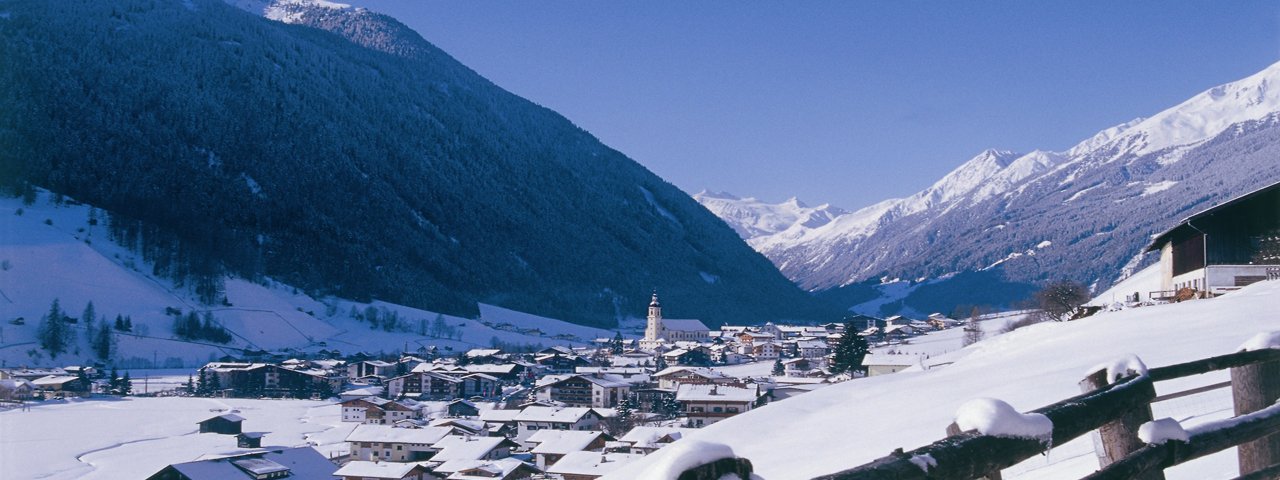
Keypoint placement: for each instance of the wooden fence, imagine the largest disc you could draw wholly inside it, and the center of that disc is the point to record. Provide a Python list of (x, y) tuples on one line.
[(1116, 410)]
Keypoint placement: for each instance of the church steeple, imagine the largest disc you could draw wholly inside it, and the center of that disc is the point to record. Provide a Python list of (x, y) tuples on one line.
[(653, 329)]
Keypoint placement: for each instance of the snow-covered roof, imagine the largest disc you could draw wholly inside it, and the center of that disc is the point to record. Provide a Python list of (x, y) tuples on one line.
[(466, 447), (562, 441), (499, 415), (491, 468), (360, 468), (496, 368), (716, 393), (647, 436), (888, 359), (684, 325), (592, 463), (699, 371), (390, 434), (552, 414), (482, 352), (53, 380)]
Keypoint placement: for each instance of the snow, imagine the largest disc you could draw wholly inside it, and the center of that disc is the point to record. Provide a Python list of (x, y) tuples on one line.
[(1262, 341), (1043, 245), (1120, 368), (112, 438), (996, 418), (1161, 431), (1142, 283), (925, 462), (683, 455), (864, 419), (1158, 187)]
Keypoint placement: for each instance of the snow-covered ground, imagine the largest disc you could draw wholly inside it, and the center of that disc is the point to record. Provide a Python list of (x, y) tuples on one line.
[(52, 251), (854, 422), (135, 437)]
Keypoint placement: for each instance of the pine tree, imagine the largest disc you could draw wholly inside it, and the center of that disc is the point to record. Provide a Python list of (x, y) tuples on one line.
[(190, 387), (53, 334), (103, 341), (119, 324), (202, 383), (126, 385), (113, 386), (215, 383), (850, 351), (128, 323), (778, 368), (616, 345), (85, 383), (89, 318)]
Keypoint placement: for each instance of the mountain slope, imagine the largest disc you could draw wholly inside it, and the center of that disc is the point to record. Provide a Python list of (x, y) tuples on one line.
[(1031, 217), (362, 162)]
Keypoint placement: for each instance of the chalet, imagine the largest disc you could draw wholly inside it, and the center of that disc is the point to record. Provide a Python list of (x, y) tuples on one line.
[(483, 355), (301, 463), (766, 350), (560, 363), (694, 356), (549, 446), (1223, 248), (500, 421), (463, 426), (883, 364), (940, 322), (590, 465), (673, 377), (749, 339), (533, 419), (501, 469), (226, 424), (595, 390), (812, 349), (425, 385), (16, 389), (376, 368), (505, 372), (707, 404), (479, 385), (377, 411), (462, 408), (800, 367), (362, 470), (390, 444), (60, 383)]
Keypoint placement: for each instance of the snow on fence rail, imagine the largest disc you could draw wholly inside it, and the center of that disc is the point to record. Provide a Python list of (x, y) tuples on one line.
[(1117, 403)]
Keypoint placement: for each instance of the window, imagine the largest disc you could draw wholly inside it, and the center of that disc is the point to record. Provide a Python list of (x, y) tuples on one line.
[(717, 409), (531, 427), (695, 409), (733, 409)]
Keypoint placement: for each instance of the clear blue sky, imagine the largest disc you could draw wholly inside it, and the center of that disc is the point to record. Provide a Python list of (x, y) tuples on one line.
[(845, 102)]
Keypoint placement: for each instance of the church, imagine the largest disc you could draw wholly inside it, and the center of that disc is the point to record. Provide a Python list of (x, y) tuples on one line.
[(661, 331)]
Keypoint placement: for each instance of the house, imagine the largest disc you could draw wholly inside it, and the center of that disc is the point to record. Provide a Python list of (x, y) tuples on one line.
[(1222, 248), (226, 424), (673, 377), (16, 389), (375, 368), (301, 463), (560, 362), (595, 390), (504, 372), (462, 408), (549, 446), (533, 419), (707, 404), (425, 385), (386, 443), (883, 363), (645, 439), (695, 356), (941, 322), (463, 426), (377, 411), (800, 367), (59, 383), (899, 331), (659, 330), (501, 469), (479, 385), (766, 351), (590, 465), (812, 349), (362, 470), (748, 339)]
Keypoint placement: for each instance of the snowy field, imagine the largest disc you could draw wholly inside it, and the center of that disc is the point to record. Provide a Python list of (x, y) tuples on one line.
[(111, 439), (64, 252), (854, 422)]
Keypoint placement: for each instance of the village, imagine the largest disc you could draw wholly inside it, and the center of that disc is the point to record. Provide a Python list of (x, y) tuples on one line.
[(556, 413)]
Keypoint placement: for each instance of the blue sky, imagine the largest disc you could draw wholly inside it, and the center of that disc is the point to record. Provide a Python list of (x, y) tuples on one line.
[(845, 102)]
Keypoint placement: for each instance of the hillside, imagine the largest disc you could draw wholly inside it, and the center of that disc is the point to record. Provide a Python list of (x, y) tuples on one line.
[(854, 422), (1026, 218), (54, 251), (347, 156)]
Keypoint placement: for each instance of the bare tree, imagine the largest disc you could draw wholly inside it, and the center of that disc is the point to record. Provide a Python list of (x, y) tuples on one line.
[(1062, 300)]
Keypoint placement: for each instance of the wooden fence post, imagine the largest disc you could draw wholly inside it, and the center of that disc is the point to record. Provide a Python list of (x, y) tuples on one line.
[(1255, 387), (954, 429), (1120, 436)]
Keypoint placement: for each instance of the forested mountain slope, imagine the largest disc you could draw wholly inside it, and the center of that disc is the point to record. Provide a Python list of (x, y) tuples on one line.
[(366, 163)]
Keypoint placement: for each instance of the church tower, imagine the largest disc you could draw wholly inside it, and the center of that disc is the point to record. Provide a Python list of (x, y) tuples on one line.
[(653, 330)]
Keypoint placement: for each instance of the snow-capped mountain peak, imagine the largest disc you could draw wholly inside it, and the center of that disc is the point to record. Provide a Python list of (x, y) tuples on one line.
[(285, 11)]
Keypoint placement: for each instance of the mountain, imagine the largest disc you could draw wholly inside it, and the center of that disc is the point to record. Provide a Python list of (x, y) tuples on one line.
[(1017, 219), (338, 151)]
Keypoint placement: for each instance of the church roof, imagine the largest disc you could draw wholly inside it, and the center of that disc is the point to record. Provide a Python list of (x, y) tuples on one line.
[(684, 325)]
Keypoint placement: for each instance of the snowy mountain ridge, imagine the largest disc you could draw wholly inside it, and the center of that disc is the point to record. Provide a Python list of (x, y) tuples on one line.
[(1184, 158)]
